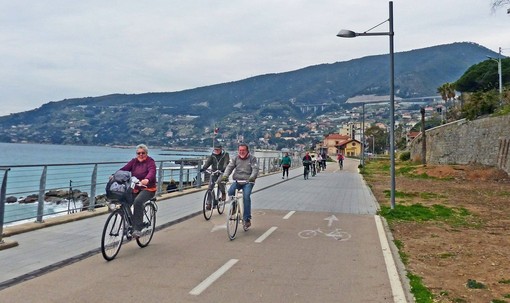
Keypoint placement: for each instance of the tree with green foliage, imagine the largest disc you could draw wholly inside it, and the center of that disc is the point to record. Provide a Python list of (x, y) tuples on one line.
[(480, 103), (484, 76), (380, 139)]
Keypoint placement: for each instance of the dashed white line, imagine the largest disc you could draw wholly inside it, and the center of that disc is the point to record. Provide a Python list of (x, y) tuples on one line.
[(210, 280), (266, 234), (287, 216), (395, 283)]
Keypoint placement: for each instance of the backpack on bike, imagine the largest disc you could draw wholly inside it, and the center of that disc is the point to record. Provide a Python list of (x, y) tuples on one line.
[(119, 186)]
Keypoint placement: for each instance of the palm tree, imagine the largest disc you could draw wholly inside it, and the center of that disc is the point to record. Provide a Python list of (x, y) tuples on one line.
[(447, 91), (442, 90)]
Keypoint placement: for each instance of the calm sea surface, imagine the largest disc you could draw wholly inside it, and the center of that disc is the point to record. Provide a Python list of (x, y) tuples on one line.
[(23, 180), (24, 154)]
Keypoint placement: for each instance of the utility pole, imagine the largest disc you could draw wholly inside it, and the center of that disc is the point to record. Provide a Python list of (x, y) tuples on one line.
[(500, 73)]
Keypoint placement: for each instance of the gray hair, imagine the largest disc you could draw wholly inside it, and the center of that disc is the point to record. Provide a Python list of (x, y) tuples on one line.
[(144, 147)]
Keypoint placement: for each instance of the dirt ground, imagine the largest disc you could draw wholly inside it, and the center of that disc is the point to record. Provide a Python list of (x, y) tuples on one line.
[(448, 255)]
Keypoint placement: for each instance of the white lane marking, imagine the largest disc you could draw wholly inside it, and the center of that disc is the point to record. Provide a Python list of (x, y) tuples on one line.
[(210, 280), (331, 219), (218, 227), (266, 234), (396, 284), (287, 216)]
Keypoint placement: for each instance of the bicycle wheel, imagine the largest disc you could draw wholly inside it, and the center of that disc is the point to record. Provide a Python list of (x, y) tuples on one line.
[(208, 199), (232, 220), (149, 224), (113, 232), (221, 203), (305, 234)]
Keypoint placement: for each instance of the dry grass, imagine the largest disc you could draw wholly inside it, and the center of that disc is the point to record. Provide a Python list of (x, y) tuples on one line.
[(448, 254)]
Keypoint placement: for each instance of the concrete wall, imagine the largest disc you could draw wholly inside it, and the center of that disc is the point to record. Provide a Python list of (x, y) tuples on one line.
[(484, 141)]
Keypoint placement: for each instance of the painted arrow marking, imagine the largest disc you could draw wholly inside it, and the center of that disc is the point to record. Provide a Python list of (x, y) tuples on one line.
[(331, 219)]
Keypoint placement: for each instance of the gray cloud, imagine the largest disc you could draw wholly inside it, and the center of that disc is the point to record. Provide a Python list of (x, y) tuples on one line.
[(56, 49)]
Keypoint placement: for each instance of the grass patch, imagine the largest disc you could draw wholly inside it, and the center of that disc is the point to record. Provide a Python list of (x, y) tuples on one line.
[(421, 213), (447, 255), (430, 196), (405, 170), (420, 292), (504, 281), (473, 284), (504, 194), (403, 256), (498, 301), (422, 195)]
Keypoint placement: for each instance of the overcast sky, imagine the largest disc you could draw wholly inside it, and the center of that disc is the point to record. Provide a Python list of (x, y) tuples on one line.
[(56, 49)]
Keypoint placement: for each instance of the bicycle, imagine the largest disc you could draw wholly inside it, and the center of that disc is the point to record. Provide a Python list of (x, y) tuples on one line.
[(341, 164), (314, 171), (306, 171), (235, 212), (119, 225), (212, 196)]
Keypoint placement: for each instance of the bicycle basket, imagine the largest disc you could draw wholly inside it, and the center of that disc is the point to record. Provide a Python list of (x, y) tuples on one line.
[(118, 187)]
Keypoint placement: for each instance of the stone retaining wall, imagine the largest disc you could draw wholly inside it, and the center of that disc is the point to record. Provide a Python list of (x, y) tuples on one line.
[(483, 141)]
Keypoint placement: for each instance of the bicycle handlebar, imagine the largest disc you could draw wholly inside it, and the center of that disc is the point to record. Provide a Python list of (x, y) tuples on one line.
[(216, 172), (238, 181)]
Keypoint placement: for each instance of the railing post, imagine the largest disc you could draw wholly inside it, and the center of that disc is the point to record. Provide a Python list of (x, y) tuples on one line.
[(181, 176), (199, 175), (40, 202), (93, 186), (160, 179), (2, 203), (264, 166)]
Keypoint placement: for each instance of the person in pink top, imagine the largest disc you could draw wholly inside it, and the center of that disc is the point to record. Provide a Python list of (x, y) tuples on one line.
[(143, 168)]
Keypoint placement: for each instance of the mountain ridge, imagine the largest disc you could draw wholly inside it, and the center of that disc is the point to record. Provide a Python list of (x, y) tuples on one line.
[(84, 120)]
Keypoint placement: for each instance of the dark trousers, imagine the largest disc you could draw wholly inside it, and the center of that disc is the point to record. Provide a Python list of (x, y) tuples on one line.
[(142, 197), (285, 171)]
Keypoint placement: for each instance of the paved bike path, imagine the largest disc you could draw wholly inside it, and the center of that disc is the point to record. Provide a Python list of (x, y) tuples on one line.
[(334, 192)]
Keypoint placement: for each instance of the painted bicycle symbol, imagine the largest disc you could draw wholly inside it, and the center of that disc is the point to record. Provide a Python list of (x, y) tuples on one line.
[(337, 234)]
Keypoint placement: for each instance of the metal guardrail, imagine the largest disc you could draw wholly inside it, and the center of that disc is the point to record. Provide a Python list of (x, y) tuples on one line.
[(40, 191)]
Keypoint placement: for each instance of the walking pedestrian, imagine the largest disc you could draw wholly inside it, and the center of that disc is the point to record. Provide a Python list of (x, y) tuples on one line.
[(285, 164)]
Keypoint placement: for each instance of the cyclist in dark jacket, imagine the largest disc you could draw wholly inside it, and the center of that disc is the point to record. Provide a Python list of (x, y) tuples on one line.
[(307, 161), (218, 160)]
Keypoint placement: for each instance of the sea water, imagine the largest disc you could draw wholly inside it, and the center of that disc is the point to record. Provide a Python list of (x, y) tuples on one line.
[(13, 154)]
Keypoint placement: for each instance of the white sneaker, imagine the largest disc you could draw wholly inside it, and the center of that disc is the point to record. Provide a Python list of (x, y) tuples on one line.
[(136, 234)]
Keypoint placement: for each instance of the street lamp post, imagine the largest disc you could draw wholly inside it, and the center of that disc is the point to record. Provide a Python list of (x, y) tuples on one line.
[(350, 34), (500, 76), (363, 138)]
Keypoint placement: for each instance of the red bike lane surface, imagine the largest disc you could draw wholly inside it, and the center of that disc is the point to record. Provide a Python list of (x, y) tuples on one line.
[(302, 259)]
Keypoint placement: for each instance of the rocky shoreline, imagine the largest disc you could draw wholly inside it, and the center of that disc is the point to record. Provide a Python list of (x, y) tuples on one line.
[(59, 196)]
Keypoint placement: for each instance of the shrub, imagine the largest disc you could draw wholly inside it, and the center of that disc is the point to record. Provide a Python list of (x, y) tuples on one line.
[(405, 156)]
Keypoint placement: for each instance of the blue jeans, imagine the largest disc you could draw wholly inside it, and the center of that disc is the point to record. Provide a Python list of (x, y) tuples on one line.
[(247, 188)]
